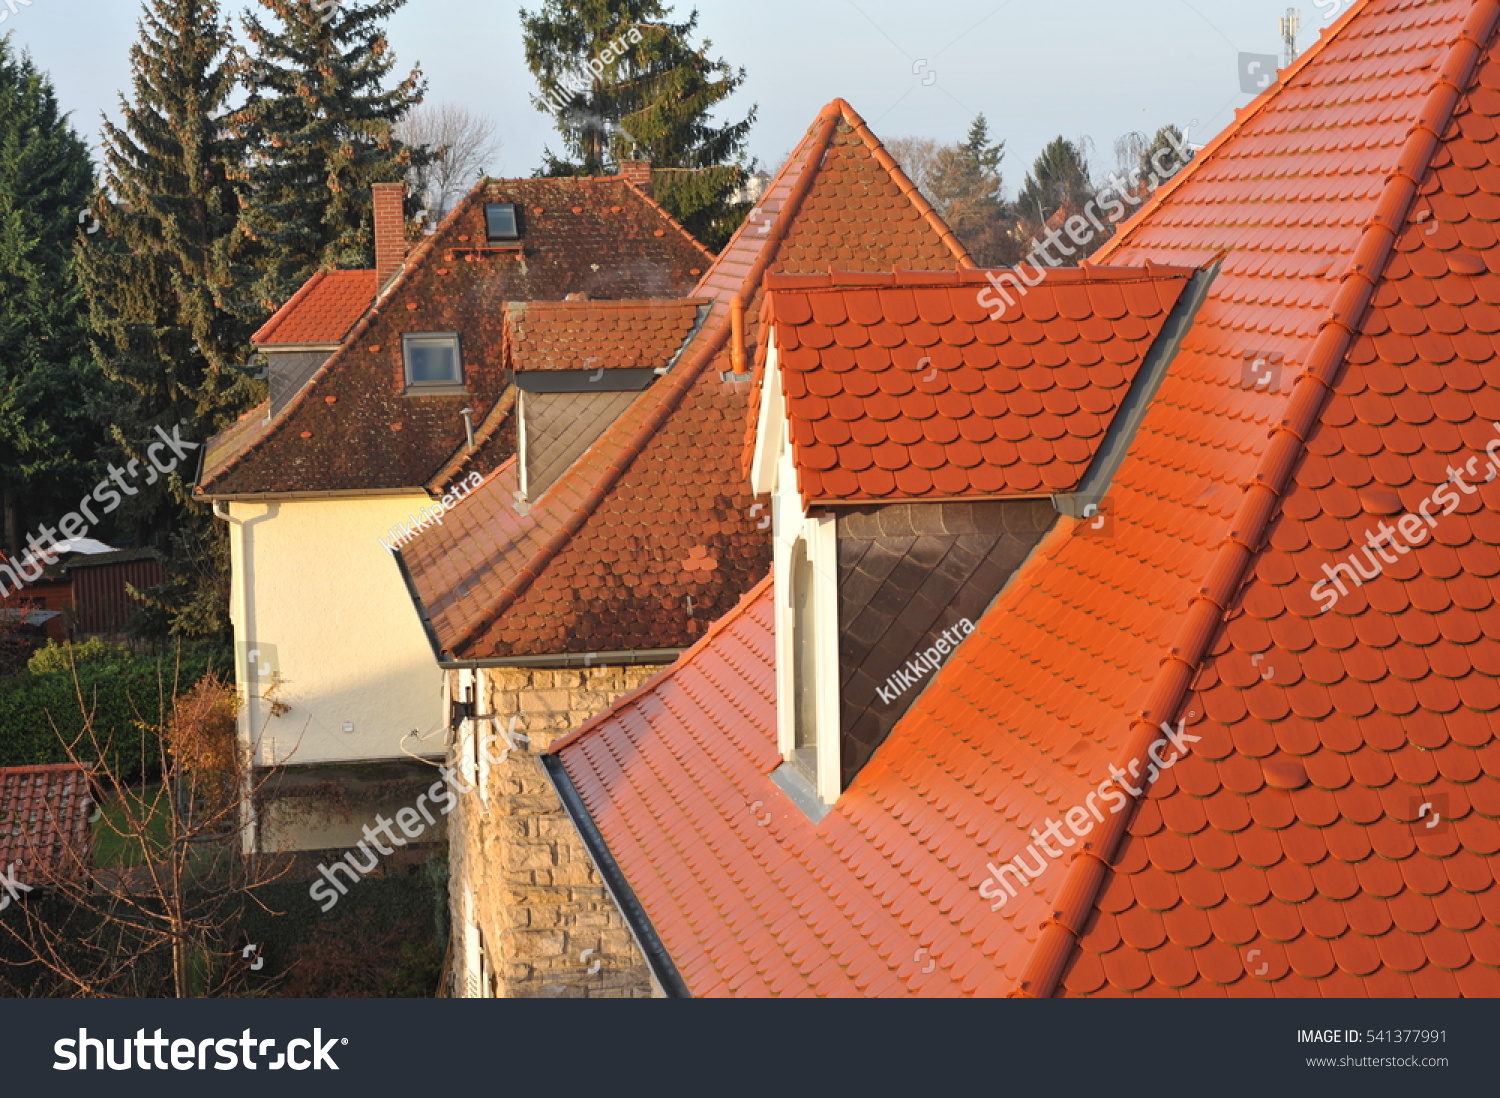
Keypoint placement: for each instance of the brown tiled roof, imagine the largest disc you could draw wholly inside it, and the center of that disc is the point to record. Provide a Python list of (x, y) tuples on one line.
[(322, 312), (606, 335), (905, 387), (352, 428), (1332, 827), (44, 821), (653, 533)]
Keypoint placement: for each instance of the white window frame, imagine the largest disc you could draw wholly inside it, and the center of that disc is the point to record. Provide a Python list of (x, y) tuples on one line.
[(408, 338), (522, 446), (774, 472)]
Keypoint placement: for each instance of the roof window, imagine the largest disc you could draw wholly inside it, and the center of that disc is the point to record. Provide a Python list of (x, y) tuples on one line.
[(500, 222)]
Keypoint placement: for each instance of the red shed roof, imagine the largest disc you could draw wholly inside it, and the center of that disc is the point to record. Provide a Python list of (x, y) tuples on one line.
[(322, 312), (1288, 853), (653, 534), (903, 387), (44, 821)]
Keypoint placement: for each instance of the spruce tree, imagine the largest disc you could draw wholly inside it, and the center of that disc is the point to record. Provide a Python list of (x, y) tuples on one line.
[(321, 125), (619, 79), (1057, 182), (50, 388), (965, 185), (159, 276)]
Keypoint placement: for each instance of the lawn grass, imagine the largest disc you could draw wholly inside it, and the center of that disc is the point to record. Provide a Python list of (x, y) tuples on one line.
[(114, 847)]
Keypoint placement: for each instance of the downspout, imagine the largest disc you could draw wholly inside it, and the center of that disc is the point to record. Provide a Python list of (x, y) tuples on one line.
[(240, 611)]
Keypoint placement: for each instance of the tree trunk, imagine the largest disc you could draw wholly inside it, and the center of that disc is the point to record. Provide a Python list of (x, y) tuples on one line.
[(11, 533)]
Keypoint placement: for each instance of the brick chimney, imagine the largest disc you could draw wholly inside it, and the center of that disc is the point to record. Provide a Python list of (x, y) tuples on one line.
[(390, 230), (637, 171)]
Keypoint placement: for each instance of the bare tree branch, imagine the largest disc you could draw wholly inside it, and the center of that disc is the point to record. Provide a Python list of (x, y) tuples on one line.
[(464, 147)]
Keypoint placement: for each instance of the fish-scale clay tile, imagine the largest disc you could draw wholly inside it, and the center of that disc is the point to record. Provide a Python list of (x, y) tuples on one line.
[(1028, 377)]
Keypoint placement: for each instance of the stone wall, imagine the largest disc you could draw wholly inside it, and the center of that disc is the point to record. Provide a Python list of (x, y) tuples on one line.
[(538, 900)]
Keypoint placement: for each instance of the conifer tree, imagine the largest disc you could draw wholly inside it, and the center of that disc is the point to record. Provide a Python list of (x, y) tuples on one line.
[(1058, 181), (159, 276), (965, 185), (320, 122), (619, 79), (50, 387)]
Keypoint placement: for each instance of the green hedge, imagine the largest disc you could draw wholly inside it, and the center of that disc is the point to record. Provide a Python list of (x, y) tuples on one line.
[(39, 713)]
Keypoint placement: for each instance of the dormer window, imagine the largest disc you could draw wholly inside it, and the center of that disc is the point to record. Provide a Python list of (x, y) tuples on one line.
[(807, 650), (911, 477), (501, 224), (433, 360)]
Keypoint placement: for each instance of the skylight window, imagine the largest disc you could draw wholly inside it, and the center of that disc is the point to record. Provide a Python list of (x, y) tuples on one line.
[(500, 222), (432, 359)]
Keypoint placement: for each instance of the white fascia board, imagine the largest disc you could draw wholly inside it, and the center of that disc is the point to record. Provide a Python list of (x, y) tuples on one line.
[(822, 541), (770, 428)]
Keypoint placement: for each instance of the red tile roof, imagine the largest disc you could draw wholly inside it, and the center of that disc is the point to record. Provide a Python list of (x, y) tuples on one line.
[(44, 821), (322, 312), (1326, 733), (903, 387), (353, 428), (653, 533), (605, 335), (1288, 853)]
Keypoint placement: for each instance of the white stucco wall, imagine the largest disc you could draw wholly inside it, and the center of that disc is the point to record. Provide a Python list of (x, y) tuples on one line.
[(322, 601)]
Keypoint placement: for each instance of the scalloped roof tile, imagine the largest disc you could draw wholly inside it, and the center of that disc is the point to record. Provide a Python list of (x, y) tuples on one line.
[(604, 335), (1337, 372), (905, 388)]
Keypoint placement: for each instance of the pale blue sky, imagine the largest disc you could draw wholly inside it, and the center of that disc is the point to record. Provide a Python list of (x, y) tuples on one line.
[(1037, 68)]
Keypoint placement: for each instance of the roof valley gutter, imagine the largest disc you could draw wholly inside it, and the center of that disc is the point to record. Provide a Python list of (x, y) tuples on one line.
[(650, 943), (1122, 429), (1235, 555), (672, 394)]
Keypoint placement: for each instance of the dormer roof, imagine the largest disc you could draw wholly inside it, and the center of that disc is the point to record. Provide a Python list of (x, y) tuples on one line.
[(903, 387)]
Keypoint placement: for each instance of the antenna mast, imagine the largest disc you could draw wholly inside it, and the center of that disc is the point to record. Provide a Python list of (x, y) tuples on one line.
[(1290, 25)]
